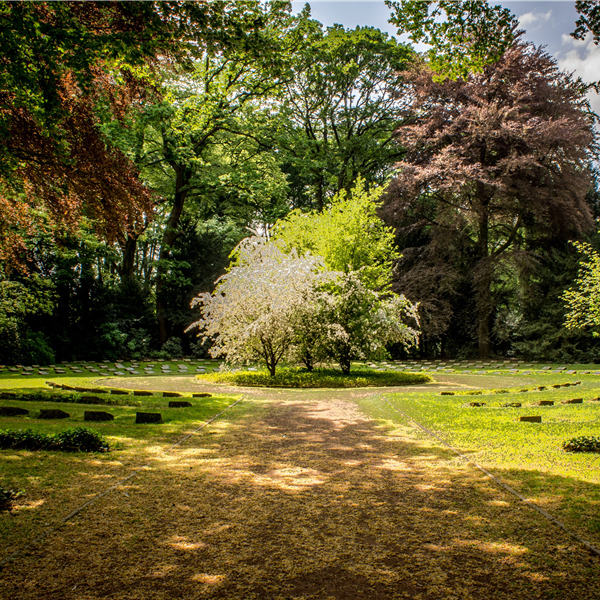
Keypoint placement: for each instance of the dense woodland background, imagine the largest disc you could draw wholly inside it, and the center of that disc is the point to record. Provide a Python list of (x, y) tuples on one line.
[(141, 142)]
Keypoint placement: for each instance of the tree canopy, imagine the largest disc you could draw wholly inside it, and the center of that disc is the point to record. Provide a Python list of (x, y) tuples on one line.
[(348, 234), (462, 37), (492, 162)]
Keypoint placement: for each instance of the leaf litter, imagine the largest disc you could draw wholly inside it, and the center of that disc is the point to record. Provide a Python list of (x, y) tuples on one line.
[(301, 497)]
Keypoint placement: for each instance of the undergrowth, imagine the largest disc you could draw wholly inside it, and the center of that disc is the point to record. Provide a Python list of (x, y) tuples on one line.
[(69, 397), (583, 443)]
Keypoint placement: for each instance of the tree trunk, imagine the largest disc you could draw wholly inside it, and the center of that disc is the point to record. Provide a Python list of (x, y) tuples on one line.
[(345, 364), (127, 267), (484, 311), (483, 279), (169, 236)]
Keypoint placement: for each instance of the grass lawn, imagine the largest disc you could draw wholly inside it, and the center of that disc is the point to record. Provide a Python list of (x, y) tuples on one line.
[(527, 456), (319, 378), (55, 483)]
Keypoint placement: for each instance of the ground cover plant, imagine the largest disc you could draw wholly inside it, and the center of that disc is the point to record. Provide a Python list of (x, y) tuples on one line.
[(318, 378), (583, 443), (77, 439)]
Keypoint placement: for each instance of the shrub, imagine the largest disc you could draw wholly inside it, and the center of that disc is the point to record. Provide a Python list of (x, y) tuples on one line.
[(584, 443), (7, 498), (79, 439), (69, 397), (172, 348)]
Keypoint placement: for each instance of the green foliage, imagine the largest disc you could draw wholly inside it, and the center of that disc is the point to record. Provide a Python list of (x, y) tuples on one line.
[(339, 111), (583, 443), (19, 300), (360, 323), (317, 378), (463, 36), (583, 300), (588, 21), (536, 330), (348, 235), (78, 439), (171, 349), (69, 397)]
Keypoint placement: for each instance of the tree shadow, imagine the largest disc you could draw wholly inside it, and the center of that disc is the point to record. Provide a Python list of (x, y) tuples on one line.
[(313, 500)]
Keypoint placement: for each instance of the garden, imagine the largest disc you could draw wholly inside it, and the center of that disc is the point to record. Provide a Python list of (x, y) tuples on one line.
[(296, 311)]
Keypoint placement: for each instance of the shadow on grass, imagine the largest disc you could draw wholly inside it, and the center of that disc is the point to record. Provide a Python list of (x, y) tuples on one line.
[(310, 501)]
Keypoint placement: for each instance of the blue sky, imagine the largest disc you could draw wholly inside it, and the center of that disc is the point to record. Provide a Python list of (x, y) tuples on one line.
[(545, 22)]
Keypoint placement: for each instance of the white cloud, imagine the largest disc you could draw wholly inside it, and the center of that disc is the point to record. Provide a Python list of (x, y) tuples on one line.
[(582, 57), (530, 19)]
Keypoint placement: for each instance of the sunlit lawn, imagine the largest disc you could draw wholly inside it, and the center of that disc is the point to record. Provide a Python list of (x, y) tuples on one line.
[(55, 483), (527, 456)]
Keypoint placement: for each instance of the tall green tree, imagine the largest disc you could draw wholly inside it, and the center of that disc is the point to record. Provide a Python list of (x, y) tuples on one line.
[(583, 299), (348, 234), (201, 146), (462, 36), (68, 66), (339, 112)]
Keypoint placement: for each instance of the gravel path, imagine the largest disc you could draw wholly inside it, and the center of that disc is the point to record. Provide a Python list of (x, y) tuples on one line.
[(304, 498)]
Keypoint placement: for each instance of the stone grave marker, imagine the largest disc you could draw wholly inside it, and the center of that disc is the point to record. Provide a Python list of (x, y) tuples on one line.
[(144, 417), (97, 415), (53, 413), (532, 419), (12, 411)]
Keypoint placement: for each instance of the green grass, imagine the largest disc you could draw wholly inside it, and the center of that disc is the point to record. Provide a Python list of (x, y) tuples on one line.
[(528, 456), (53, 483), (287, 377)]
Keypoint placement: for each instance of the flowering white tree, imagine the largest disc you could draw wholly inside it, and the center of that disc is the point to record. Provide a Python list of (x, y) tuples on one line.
[(360, 322), (249, 315)]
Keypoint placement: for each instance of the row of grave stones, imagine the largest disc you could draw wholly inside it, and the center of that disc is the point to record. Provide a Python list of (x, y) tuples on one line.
[(540, 388), (540, 403), (532, 418), (89, 415), (466, 368), (117, 391), (107, 369)]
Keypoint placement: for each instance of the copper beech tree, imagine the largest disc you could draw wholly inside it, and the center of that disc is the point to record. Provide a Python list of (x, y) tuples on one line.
[(67, 69), (491, 162)]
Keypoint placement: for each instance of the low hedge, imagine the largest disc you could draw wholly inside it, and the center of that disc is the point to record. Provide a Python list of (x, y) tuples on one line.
[(68, 397), (319, 378), (78, 439)]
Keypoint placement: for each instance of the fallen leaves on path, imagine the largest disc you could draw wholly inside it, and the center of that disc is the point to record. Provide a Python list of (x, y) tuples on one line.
[(306, 499)]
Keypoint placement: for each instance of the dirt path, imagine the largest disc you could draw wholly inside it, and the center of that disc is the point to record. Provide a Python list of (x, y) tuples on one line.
[(296, 499)]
